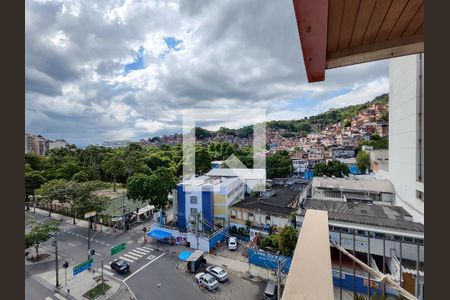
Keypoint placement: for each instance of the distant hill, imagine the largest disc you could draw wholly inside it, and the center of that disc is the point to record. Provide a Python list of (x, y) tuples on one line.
[(299, 127)]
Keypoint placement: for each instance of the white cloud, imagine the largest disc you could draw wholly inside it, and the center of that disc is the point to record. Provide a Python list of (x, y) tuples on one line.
[(231, 56)]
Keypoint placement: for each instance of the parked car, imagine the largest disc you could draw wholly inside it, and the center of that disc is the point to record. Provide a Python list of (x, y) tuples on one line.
[(207, 280), (232, 243), (220, 274), (270, 292), (120, 266)]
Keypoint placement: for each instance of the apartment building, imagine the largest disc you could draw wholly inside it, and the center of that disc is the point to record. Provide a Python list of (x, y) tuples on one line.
[(36, 144), (406, 133), (58, 144), (208, 199)]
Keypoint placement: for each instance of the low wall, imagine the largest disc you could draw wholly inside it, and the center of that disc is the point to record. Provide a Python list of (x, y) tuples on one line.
[(268, 260)]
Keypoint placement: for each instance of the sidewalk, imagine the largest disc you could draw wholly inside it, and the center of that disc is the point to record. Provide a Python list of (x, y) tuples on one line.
[(78, 222), (78, 285)]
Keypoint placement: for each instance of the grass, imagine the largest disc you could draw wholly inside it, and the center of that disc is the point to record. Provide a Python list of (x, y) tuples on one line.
[(97, 291)]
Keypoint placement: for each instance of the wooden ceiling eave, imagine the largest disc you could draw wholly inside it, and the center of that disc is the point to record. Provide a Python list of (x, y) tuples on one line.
[(337, 33)]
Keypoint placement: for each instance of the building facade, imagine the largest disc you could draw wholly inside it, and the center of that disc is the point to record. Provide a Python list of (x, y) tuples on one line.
[(406, 133)]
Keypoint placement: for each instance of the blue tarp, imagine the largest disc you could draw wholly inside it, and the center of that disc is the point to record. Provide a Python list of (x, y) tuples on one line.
[(184, 255), (159, 234)]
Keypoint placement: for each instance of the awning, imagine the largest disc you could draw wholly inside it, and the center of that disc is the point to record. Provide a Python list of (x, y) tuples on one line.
[(145, 209), (195, 255), (184, 255), (159, 234)]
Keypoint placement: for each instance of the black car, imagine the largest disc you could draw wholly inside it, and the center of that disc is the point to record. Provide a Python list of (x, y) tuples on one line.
[(120, 266)]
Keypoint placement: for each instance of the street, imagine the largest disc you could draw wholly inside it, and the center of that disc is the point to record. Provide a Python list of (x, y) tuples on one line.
[(153, 272)]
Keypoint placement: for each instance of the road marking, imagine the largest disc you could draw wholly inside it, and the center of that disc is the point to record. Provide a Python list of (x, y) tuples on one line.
[(141, 268), (151, 257), (97, 254), (148, 248), (130, 242), (127, 259), (135, 253), (48, 298), (140, 251), (144, 250), (60, 297), (72, 244), (102, 243), (107, 266), (131, 256)]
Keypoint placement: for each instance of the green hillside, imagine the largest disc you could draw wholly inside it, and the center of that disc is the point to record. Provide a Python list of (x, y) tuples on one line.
[(303, 126)]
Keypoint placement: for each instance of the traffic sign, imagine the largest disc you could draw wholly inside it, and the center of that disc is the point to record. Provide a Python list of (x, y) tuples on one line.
[(83, 266), (90, 214), (118, 248)]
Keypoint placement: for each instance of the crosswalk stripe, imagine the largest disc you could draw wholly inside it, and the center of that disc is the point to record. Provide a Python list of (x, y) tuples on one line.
[(127, 259), (135, 253), (107, 266), (131, 256), (143, 250), (148, 248), (140, 252), (60, 297), (48, 298)]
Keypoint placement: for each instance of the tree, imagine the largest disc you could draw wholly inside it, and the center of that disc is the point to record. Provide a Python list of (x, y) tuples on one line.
[(40, 234), (33, 180), (278, 165), (287, 240), (153, 188), (52, 190), (202, 160), (363, 161), (81, 176), (113, 165), (332, 168)]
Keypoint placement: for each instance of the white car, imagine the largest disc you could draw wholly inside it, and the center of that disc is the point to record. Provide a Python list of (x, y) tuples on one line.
[(232, 244), (206, 280), (220, 274)]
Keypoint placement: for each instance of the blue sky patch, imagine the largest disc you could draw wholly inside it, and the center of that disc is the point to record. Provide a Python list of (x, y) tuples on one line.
[(172, 43), (138, 63)]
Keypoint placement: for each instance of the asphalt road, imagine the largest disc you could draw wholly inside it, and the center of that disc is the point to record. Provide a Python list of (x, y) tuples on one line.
[(153, 273), (161, 280)]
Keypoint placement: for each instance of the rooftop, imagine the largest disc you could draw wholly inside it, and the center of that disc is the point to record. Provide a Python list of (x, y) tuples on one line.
[(235, 172), (204, 181), (280, 203), (373, 185), (388, 216)]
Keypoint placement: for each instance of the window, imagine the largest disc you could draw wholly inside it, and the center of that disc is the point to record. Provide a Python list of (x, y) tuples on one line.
[(193, 199), (250, 214), (407, 239), (193, 211), (268, 218), (233, 217), (419, 195)]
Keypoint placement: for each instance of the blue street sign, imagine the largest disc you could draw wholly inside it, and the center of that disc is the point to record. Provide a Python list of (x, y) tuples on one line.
[(83, 266)]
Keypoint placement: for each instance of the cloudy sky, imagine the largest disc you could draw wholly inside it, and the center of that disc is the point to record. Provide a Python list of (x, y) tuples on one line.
[(110, 70)]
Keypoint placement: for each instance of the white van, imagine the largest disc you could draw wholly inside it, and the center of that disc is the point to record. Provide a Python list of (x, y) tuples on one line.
[(232, 243)]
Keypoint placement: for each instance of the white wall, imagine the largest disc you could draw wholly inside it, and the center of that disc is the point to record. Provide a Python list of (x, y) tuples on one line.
[(198, 206), (403, 134)]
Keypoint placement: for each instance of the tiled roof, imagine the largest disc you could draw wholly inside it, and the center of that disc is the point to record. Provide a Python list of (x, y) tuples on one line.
[(278, 204)]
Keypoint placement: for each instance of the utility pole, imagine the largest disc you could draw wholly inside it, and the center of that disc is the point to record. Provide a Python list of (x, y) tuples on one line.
[(123, 211), (196, 227), (89, 238), (56, 259), (278, 279)]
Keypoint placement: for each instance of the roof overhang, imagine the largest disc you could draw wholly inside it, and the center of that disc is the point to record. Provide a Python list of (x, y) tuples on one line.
[(337, 33)]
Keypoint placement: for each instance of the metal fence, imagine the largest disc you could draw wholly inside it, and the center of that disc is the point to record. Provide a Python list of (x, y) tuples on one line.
[(400, 258)]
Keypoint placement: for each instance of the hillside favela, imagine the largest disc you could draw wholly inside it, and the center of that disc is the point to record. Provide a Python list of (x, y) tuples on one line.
[(221, 156)]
